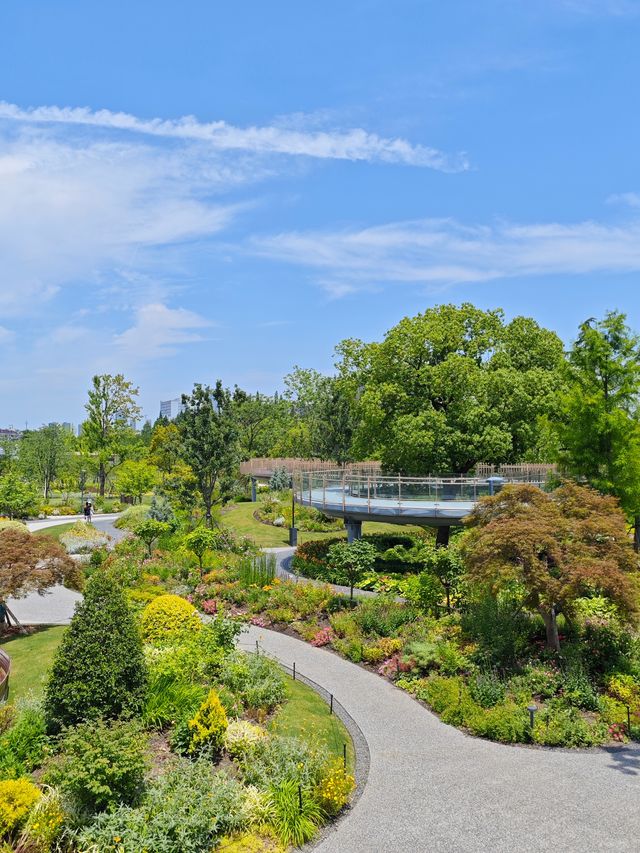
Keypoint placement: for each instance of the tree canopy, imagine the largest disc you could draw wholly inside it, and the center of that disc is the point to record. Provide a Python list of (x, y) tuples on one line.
[(451, 387), (33, 564), (552, 549)]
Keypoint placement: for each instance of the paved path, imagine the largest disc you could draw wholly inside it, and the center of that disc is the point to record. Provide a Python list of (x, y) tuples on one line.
[(57, 604), (431, 788), (284, 571)]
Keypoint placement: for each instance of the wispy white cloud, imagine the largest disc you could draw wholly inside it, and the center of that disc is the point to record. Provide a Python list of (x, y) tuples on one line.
[(158, 330), (352, 144), (627, 199), (443, 252)]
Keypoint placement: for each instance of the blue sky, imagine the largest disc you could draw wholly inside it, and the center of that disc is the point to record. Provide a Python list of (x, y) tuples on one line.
[(201, 190)]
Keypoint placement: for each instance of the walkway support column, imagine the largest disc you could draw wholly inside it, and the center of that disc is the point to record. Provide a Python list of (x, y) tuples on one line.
[(253, 490), (354, 529), (442, 536)]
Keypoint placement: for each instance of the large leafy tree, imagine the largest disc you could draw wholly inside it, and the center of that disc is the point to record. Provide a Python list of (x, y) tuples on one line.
[(322, 417), (551, 549), (599, 424), (209, 439), (17, 497), (260, 421), (451, 387), (165, 447), (33, 564), (45, 455), (106, 432), (135, 478)]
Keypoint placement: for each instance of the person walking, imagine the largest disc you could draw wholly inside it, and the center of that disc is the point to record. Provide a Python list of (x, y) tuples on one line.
[(88, 509)]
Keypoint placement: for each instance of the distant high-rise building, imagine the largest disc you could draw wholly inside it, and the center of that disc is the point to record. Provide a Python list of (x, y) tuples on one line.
[(170, 409)]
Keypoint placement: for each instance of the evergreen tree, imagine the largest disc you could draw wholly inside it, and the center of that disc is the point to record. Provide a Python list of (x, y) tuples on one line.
[(99, 668)]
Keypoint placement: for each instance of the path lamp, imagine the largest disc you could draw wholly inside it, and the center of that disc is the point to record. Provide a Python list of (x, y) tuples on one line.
[(532, 712), (293, 532), (628, 721)]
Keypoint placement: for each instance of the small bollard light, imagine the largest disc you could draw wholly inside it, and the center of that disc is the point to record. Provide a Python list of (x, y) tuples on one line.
[(628, 721), (532, 712)]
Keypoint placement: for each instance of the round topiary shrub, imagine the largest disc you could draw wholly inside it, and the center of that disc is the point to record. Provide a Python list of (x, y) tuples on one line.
[(99, 668), (167, 618), (17, 798)]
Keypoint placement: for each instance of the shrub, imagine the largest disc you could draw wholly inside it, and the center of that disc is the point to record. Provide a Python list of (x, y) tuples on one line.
[(335, 788), (101, 765), (506, 723), (609, 647), (241, 736), (206, 730), (383, 616), (296, 815), (277, 759), (11, 524), (625, 689), (17, 798), (486, 689), (168, 618), (561, 726), (255, 680), (131, 517), (186, 810), (500, 628), (149, 531), (24, 746), (98, 669)]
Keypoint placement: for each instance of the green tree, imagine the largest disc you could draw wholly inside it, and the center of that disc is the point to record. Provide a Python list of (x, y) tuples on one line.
[(446, 565), (451, 387), (165, 447), (98, 670), (110, 408), (135, 478), (599, 424), (353, 559), (260, 421), (150, 531), (209, 439), (45, 454), (551, 549), (201, 540), (17, 498)]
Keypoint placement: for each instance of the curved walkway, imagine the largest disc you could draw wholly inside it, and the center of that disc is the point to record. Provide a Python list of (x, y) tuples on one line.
[(433, 788)]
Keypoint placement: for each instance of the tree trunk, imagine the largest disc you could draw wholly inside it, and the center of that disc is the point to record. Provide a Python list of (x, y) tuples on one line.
[(636, 533), (102, 478), (551, 626)]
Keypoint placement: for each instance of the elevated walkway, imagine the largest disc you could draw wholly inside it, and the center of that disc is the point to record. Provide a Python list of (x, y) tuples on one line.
[(357, 496)]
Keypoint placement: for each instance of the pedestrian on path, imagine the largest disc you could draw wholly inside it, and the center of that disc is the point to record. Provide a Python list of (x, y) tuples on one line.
[(88, 509)]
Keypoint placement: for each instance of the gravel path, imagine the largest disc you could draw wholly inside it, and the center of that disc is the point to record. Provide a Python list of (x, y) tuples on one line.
[(433, 788)]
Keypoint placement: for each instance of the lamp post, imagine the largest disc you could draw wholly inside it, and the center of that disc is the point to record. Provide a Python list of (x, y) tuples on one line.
[(532, 712), (293, 533)]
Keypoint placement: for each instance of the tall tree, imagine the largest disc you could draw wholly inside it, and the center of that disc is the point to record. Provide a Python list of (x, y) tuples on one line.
[(260, 421), (599, 425), (111, 406), (45, 454), (209, 439), (165, 447), (451, 387), (551, 549)]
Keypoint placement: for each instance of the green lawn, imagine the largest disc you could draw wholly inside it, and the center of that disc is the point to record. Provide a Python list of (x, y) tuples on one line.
[(55, 531), (306, 715), (31, 658), (239, 517)]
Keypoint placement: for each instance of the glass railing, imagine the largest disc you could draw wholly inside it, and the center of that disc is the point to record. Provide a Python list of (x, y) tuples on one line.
[(368, 491)]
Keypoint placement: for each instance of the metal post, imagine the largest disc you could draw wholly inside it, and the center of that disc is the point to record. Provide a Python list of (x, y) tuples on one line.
[(344, 755), (300, 797), (331, 705), (294, 670)]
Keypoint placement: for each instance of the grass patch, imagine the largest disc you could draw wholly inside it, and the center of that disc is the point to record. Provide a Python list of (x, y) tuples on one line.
[(31, 658), (306, 715), (239, 517), (55, 531)]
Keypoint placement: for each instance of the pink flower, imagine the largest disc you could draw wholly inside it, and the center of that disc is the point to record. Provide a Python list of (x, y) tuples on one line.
[(210, 606), (323, 637)]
